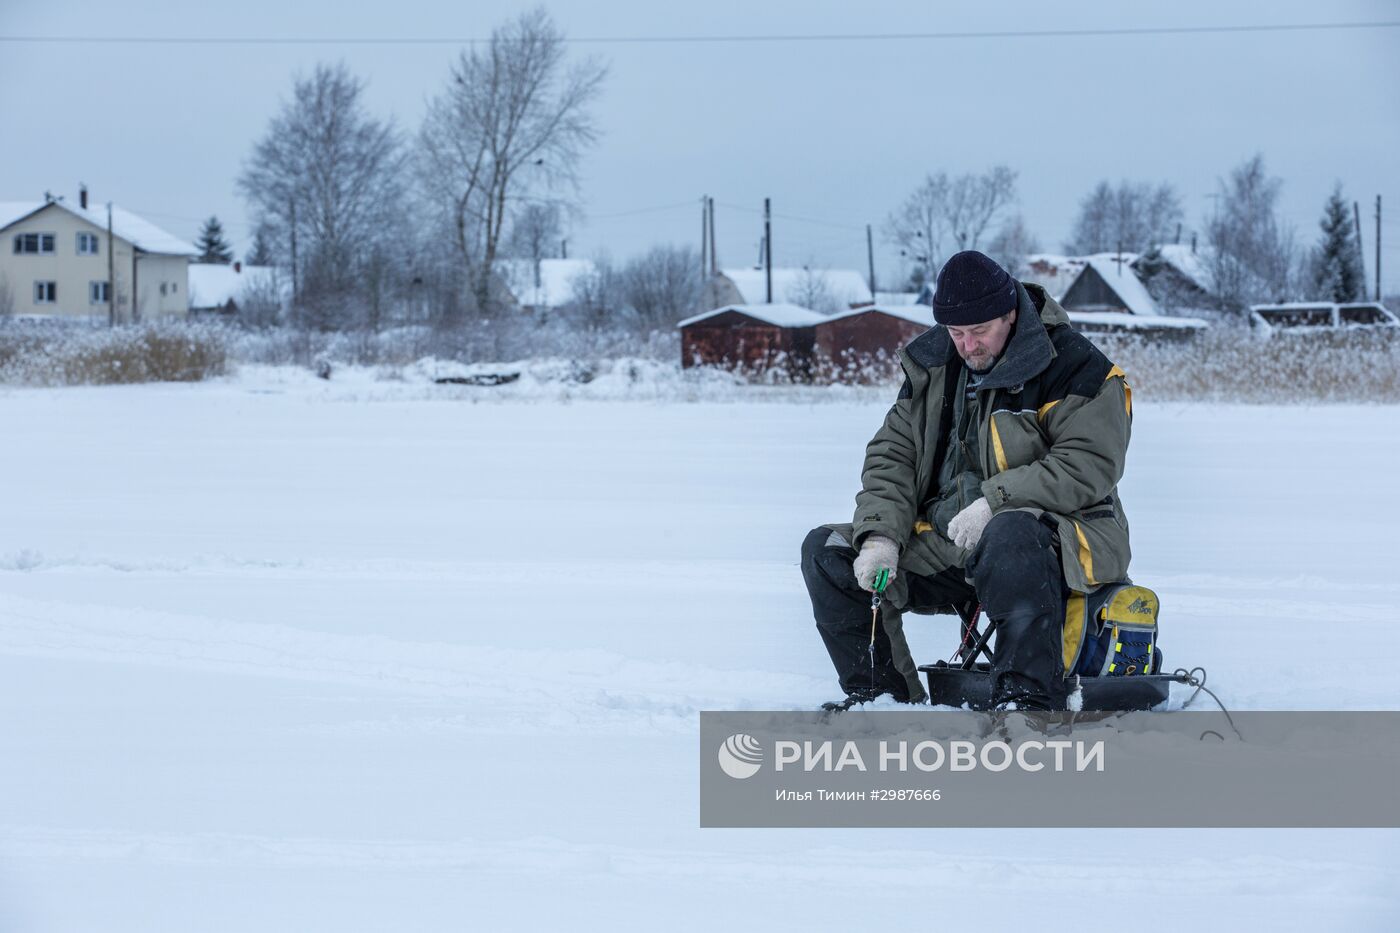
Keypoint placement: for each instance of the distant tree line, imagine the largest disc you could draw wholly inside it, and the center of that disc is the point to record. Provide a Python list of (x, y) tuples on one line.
[(1247, 252), (374, 226)]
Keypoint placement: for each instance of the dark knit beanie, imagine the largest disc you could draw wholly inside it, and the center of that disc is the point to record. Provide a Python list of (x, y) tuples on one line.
[(972, 289)]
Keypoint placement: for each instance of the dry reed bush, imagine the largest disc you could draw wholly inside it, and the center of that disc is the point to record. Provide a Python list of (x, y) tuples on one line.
[(48, 354), (1230, 365)]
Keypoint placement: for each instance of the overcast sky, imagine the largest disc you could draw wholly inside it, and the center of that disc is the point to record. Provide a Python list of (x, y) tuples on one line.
[(836, 132)]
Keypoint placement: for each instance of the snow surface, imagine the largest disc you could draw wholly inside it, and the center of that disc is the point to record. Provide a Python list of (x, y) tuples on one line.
[(213, 285), (558, 280), (1053, 271), (779, 315), (279, 654), (846, 286), (1188, 262), (917, 314), (1136, 321), (896, 298)]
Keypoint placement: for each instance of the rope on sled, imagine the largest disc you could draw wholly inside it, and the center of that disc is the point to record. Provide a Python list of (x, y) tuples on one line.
[(1189, 678)]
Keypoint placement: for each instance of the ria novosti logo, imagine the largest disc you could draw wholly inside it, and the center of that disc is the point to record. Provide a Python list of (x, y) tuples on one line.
[(741, 756)]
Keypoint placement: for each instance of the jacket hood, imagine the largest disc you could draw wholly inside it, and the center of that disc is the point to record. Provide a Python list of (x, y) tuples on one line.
[(1027, 353)]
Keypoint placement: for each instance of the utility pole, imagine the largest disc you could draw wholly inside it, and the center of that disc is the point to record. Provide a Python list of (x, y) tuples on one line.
[(111, 273), (1378, 247), (1177, 238), (704, 235), (768, 245), (294, 254), (870, 258), (1360, 248), (714, 256), (564, 249)]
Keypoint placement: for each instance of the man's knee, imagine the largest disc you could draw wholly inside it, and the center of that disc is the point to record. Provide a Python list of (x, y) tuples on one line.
[(1016, 532), (1015, 563), (814, 542)]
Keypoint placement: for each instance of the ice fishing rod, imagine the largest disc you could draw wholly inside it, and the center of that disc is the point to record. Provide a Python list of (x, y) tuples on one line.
[(882, 580)]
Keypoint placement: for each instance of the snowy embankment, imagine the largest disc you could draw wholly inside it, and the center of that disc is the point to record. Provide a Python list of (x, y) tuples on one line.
[(285, 654)]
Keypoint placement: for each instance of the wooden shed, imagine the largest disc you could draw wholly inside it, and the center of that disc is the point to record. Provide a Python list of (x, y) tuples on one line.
[(862, 345), (752, 339)]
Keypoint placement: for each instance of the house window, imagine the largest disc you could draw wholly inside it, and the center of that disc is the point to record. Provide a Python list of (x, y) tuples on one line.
[(87, 244), (45, 293), (162, 288), (34, 244), (99, 293)]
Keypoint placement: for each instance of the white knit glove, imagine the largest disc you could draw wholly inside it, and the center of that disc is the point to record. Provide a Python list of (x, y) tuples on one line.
[(876, 553), (967, 526)]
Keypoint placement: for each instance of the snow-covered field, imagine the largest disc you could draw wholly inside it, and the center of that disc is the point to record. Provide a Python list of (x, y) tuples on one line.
[(283, 655)]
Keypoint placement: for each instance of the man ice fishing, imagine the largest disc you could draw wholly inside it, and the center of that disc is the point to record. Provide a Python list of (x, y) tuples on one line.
[(992, 481)]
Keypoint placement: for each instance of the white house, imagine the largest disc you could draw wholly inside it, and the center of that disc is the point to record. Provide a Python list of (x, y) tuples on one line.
[(57, 260)]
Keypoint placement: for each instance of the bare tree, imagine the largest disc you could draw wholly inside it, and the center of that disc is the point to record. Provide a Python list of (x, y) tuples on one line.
[(813, 290), (329, 175), (1134, 217), (512, 120), (534, 231), (975, 202), (532, 234), (1126, 217), (598, 297), (663, 285), (1093, 227), (1252, 255), (919, 227), (944, 212), (1012, 244), (261, 302)]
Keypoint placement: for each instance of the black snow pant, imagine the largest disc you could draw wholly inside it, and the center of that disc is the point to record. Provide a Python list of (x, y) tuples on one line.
[(1014, 572)]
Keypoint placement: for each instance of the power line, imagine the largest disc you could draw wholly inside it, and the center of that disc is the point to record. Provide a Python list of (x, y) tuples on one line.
[(642, 210), (682, 39), (804, 220)]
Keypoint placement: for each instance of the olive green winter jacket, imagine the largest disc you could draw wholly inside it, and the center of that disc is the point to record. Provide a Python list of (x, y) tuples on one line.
[(1055, 418)]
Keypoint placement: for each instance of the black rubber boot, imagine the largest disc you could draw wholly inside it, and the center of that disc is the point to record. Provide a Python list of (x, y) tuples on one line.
[(1016, 570)]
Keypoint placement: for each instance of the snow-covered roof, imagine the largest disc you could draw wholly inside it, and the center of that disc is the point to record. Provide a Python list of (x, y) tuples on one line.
[(213, 285), (779, 315), (556, 281), (896, 298), (1124, 281), (1052, 271), (917, 314), (136, 230), (1297, 306), (846, 286), (1189, 263), (12, 211), (1136, 321)]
